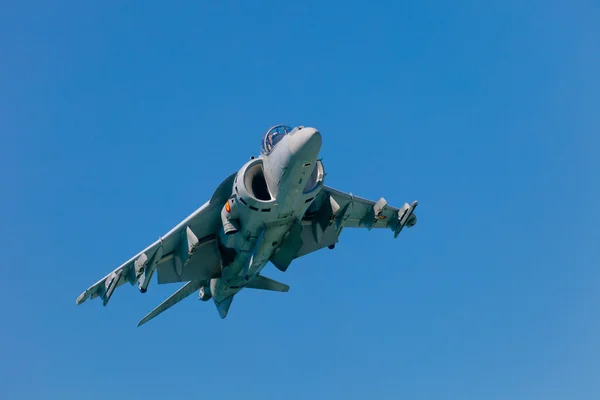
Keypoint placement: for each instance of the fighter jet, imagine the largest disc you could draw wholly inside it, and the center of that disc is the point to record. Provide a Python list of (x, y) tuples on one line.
[(276, 208)]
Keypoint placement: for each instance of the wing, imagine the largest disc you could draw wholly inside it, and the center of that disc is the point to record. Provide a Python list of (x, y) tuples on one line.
[(332, 211), (187, 252), (349, 211)]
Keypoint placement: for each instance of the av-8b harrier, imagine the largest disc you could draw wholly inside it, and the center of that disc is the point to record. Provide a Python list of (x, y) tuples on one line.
[(275, 208)]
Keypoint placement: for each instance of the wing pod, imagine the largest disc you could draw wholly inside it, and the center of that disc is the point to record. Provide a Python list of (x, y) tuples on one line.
[(377, 211), (186, 248), (406, 217), (341, 216), (109, 286), (145, 268)]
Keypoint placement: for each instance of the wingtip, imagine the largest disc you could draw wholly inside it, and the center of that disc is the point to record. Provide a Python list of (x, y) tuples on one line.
[(81, 298), (147, 318)]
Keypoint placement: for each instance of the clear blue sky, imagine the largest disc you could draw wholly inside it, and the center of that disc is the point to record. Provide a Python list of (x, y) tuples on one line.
[(117, 121)]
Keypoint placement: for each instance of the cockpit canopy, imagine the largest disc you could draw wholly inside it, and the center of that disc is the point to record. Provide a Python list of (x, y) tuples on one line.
[(272, 137)]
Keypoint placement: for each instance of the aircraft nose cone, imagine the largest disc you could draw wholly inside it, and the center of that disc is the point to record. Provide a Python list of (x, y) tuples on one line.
[(306, 143)]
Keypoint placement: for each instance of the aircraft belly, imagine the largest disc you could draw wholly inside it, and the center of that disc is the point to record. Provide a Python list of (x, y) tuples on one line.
[(264, 224), (232, 280)]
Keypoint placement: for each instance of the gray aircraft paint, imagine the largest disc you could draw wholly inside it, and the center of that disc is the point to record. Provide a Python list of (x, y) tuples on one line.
[(286, 170), (275, 208)]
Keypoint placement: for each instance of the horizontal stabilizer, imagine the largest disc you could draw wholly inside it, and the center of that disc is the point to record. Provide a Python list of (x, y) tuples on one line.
[(264, 283), (175, 298)]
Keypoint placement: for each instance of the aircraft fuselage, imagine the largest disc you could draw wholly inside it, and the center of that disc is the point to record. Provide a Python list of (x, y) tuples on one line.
[(270, 194)]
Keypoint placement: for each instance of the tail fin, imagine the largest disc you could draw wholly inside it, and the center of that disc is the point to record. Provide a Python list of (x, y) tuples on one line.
[(258, 282)]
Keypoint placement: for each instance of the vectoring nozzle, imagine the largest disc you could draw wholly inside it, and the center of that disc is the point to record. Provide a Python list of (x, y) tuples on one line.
[(230, 223)]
